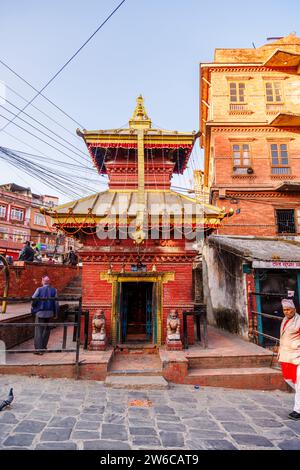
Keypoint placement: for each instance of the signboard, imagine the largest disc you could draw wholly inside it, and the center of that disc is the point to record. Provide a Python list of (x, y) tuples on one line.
[(276, 264)]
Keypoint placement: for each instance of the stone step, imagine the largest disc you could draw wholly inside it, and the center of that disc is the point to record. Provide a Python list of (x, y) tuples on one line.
[(69, 295), (136, 348), (219, 362), (69, 291), (136, 337), (73, 288), (254, 378), (131, 372), (136, 382)]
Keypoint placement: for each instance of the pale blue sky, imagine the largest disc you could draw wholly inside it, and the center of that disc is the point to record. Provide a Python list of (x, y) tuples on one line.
[(151, 47)]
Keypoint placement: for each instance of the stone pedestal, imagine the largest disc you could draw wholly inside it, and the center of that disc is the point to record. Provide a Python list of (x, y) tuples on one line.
[(174, 344), (98, 345)]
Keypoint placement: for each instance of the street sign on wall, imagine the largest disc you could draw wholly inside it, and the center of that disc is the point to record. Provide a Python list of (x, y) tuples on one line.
[(276, 264)]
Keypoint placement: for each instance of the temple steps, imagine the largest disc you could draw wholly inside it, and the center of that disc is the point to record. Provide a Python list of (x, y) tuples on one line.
[(73, 288), (210, 361), (135, 372), (141, 337), (136, 382), (138, 347), (254, 378), (150, 372)]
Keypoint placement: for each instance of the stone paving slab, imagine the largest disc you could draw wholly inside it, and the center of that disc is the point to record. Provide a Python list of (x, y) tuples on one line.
[(77, 415)]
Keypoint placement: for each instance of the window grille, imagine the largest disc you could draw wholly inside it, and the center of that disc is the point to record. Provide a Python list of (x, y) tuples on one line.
[(285, 220)]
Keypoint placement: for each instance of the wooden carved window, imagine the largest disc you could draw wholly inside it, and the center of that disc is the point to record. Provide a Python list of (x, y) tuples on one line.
[(279, 159), (241, 158), (39, 219), (17, 214), (2, 211), (237, 92), (274, 92)]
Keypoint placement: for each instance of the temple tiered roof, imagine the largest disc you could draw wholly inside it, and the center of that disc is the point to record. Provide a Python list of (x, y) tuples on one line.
[(122, 154)]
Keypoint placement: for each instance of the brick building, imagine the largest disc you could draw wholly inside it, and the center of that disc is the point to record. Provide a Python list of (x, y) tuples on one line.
[(250, 118), (250, 123), (21, 220)]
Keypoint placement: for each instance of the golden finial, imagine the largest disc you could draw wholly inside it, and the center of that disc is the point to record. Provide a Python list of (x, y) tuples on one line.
[(140, 119)]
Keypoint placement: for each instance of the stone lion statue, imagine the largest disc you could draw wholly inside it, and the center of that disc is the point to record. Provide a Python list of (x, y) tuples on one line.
[(99, 330), (173, 325)]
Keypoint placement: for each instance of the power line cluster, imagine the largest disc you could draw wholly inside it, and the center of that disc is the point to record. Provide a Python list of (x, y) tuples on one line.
[(75, 177), (69, 183), (45, 168)]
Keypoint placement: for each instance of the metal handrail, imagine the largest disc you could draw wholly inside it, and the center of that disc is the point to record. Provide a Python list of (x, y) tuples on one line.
[(267, 336), (76, 324), (267, 315), (256, 335), (30, 299), (275, 294), (199, 312)]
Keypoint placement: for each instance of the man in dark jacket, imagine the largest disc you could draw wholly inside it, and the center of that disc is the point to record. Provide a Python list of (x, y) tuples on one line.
[(72, 257), (44, 310), (27, 253)]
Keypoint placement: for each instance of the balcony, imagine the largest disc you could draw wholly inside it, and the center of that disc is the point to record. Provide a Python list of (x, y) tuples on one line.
[(274, 108), (243, 171), (280, 170), (282, 173), (240, 108)]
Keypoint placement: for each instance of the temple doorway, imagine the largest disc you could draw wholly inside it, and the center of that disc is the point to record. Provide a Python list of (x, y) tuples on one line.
[(136, 312)]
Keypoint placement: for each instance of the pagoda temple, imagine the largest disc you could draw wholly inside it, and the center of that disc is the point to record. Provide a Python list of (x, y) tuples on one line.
[(139, 237)]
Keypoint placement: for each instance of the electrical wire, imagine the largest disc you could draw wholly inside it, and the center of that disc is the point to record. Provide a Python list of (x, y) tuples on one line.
[(60, 181), (73, 134), (42, 95), (43, 133), (41, 124), (37, 137), (65, 64)]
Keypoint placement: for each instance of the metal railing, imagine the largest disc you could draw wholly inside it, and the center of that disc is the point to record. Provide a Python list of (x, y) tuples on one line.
[(200, 317), (64, 324), (255, 334)]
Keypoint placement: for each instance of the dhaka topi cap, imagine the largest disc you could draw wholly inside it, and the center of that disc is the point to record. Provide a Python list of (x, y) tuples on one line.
[(287, 303)]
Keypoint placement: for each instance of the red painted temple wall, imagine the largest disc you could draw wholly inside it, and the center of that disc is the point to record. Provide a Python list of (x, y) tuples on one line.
[(123, 174), (97, 293)]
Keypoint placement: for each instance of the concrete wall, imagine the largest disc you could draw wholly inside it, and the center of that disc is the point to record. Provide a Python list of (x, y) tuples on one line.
[(225, 290)]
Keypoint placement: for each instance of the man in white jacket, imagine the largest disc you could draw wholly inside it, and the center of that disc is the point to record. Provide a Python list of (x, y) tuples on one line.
[(289, 351)]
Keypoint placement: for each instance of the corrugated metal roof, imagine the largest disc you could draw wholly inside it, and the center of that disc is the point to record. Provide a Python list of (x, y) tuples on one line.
[(117, 202), (258, 248)]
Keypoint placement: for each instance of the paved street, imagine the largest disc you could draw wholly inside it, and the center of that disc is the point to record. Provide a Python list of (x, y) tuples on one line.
[(68, 414)]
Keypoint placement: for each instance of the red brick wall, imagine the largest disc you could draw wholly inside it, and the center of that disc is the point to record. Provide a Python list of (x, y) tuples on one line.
[(254, 195), (259, 142), (96, 294), (257, 214), (25, 279), (178, 294)]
